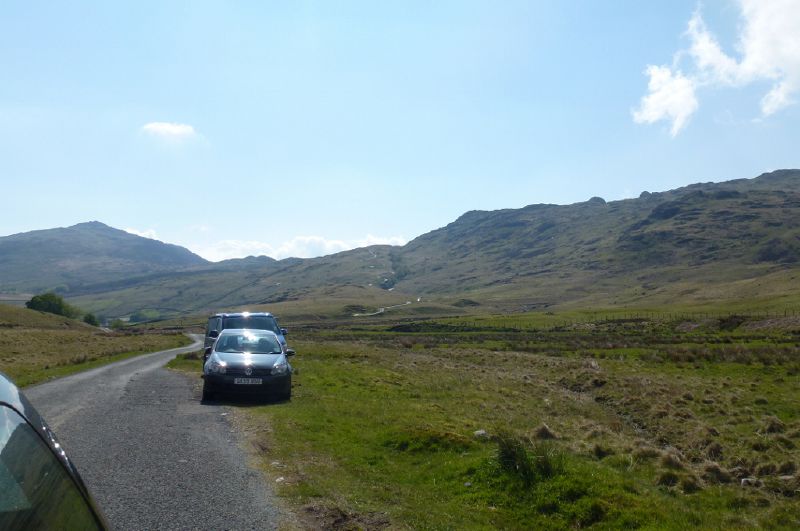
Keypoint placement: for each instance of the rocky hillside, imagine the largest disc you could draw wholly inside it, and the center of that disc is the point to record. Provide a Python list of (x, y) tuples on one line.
[(728, 226), (704, 242)]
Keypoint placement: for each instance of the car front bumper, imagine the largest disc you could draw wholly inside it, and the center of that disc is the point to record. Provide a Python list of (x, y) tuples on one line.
[(270, 385)]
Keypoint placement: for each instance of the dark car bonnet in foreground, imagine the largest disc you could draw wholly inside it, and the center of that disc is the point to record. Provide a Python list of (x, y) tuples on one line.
[(39, 486)]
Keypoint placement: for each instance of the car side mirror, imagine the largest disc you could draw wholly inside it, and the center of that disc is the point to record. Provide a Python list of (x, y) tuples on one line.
[(213, 333), (284, 332), (290, 352)]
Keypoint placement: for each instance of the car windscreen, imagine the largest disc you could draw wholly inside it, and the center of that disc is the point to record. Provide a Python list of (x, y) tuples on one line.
[(248, 342), (35, 490), (255, 322)]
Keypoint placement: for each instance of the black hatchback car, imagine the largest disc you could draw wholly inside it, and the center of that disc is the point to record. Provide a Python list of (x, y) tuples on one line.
[(39, 486), (251, 362)]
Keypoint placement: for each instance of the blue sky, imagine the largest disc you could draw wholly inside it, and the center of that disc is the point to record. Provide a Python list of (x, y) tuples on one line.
[(303, 128)]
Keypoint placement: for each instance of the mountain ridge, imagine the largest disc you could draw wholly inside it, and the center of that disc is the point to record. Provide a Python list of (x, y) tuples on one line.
[(90, 252), (623, 251)]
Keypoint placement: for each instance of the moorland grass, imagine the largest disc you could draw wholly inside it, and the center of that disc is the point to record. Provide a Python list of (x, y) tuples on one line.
[(32, 355), (36, 346), (381, 427)]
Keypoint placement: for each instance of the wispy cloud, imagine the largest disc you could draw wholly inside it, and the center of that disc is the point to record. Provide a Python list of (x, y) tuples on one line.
[(148, 233), (300, 247), (769, 50), (671, 97), (169, 130)]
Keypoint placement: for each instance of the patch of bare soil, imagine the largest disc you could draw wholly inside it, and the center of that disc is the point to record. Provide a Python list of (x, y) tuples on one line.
[(324, 517)]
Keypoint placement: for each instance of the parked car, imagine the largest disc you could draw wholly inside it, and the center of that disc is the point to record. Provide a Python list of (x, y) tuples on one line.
[(255, 320), (246, 361), (39, 486)]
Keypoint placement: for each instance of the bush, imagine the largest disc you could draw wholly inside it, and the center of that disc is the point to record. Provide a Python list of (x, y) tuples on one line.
[(52, 303), (90, 319)]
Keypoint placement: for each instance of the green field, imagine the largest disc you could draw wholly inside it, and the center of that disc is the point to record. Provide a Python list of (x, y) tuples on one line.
[(619, 422)]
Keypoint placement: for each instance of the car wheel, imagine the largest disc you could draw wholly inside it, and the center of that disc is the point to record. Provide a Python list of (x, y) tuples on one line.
[(207, 394)]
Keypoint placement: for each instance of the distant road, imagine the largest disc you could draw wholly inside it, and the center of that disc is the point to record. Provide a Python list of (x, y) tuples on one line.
[(152, 455), (382, 310)]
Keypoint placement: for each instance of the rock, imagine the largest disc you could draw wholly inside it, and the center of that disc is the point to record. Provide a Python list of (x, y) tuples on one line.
[(480, 434), (751, 482)]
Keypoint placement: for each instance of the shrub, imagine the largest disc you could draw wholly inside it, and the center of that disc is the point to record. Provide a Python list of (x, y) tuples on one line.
[(90, 319), (51, 303)]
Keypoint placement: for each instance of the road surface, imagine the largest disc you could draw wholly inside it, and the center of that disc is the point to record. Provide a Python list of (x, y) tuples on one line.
[(152, 455)]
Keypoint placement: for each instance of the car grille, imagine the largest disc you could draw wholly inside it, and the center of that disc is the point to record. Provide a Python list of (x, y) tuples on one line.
[(239, 371)]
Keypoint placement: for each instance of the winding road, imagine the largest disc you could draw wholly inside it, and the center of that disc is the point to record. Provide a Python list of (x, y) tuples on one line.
[(152, 455)]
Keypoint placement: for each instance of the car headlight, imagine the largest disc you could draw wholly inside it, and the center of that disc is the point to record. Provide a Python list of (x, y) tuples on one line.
[(217, 367), (280, 367)]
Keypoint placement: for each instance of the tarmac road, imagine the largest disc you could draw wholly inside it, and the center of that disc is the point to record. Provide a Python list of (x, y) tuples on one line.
[(152, 455)]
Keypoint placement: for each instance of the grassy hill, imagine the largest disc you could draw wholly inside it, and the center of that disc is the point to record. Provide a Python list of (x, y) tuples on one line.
[(35, 346), (13, 317), (702, 244)]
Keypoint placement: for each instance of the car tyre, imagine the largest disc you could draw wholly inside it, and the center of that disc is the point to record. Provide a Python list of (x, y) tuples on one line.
[(207, 394)]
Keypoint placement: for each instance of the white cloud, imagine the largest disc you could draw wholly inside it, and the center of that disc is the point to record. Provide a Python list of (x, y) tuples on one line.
[(768, 46), (708, 56), (149, 233), (169, 130), (299, 246), (671, 98)]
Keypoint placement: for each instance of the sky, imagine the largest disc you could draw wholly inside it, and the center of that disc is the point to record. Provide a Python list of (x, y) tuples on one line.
[(303, 128)]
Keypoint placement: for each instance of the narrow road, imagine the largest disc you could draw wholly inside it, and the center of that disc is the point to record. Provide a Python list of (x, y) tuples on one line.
[(152, 455)]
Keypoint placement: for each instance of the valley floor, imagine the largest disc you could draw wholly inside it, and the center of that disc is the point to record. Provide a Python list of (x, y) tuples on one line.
[(618, 423)]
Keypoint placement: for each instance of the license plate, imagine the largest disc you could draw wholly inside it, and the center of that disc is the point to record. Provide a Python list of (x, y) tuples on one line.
[(247, 381)]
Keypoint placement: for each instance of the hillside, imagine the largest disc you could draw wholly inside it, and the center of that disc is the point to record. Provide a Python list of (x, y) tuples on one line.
[(727, 231), (13, 317), (88, 253), (36, 346), (703, 243)]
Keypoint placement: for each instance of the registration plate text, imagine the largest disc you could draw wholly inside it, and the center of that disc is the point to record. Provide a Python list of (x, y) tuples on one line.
[(247, 381)]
